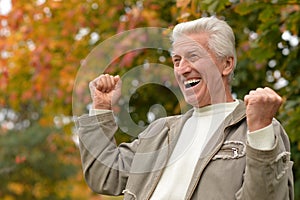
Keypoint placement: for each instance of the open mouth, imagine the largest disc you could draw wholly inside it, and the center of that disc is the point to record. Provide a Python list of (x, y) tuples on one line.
[(191, 83)]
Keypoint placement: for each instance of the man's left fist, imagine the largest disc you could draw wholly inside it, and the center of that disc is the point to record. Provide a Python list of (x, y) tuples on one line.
[(261, 106)]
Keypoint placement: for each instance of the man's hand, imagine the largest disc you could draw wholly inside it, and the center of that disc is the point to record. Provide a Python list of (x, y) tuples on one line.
[(105, 91), (261, 107)]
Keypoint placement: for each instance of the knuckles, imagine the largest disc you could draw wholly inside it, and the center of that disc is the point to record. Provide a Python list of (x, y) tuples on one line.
[(264, 96), (103, 83)]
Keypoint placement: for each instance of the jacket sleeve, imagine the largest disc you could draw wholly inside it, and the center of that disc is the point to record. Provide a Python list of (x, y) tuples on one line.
[(105, 165), (268, 174)]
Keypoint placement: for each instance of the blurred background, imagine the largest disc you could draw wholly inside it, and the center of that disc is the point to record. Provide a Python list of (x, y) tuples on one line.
[(43, 44)]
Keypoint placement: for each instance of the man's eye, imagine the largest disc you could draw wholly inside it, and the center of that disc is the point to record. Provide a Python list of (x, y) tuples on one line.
[(193, 57), (176, 61)]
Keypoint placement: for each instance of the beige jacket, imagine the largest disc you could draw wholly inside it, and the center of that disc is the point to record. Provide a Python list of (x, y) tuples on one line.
[(227, 169)]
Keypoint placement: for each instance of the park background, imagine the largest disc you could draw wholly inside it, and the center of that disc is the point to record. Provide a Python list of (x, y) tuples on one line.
[(44, 42)]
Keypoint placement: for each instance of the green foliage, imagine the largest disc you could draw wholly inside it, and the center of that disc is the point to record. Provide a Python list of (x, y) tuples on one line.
[(30, 167)]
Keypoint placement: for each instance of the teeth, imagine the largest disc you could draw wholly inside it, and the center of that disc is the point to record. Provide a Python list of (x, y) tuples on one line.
[(191, 82)]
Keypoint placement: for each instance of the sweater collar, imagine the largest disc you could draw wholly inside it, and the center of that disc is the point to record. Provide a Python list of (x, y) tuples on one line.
[(215, 109), (176, 123)]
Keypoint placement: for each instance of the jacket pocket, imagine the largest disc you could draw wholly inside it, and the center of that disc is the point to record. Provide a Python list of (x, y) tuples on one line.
[(231, 150)]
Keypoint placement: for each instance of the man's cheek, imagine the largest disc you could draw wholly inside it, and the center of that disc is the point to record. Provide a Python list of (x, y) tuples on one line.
[(178, 79)]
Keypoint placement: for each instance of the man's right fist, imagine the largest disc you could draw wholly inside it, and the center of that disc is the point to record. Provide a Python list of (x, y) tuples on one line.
[(105, 91)]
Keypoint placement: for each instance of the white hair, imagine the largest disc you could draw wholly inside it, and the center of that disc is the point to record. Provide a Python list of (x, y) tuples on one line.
[(221, 36)]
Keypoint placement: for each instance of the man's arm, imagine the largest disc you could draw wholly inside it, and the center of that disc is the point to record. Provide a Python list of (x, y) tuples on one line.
[(105, 165), (268, 173)]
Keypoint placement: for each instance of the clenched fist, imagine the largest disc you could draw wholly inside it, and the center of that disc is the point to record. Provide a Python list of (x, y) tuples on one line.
[(105, 91), (261, 106)]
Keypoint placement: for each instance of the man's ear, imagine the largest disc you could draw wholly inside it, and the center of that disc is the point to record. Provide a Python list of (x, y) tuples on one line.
[(228, 66)]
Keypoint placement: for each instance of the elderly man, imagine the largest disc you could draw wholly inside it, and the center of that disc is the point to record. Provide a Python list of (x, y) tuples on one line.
[(223, 148)]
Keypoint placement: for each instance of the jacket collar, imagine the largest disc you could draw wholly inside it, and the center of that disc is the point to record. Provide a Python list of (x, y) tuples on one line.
[(237, 115)]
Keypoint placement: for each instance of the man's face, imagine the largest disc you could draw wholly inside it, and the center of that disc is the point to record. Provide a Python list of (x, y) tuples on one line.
[(197, 71)]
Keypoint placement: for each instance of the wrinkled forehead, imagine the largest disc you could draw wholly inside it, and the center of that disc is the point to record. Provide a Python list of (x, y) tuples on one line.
[(187, 43)]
